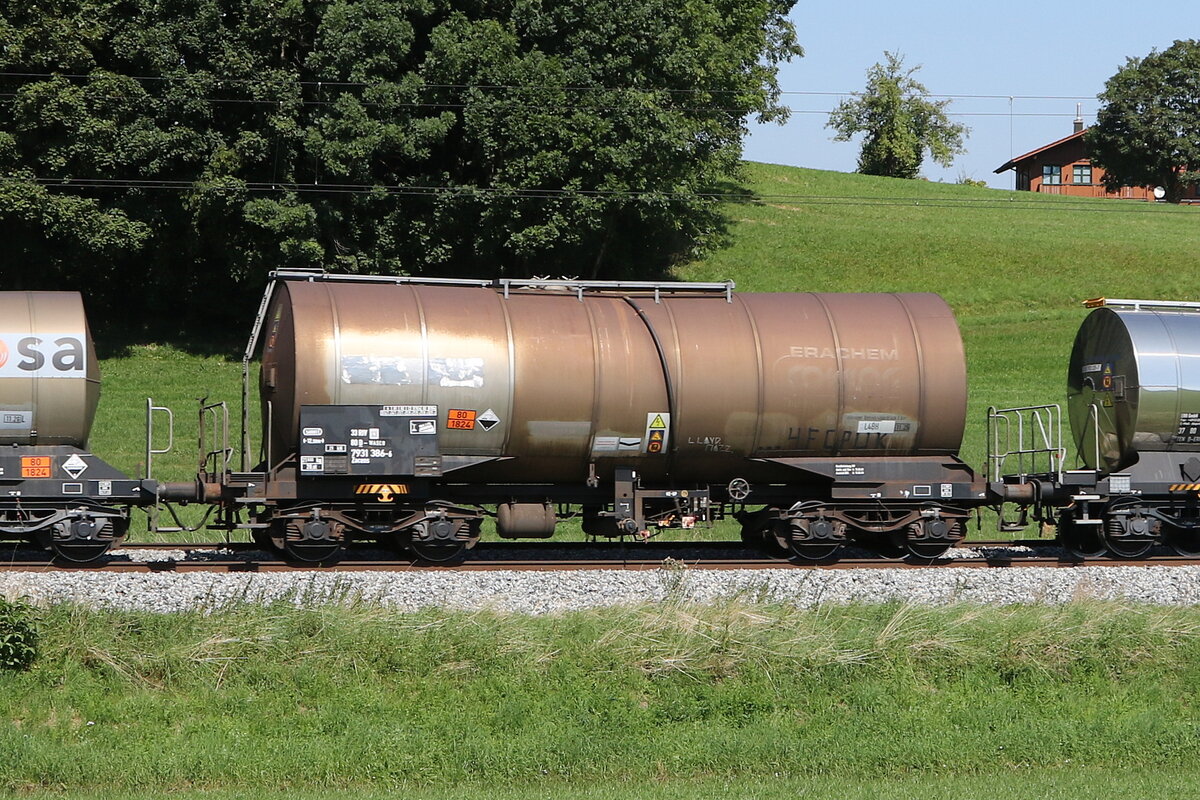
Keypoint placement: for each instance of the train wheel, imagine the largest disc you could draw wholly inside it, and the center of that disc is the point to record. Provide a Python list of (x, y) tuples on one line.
[(444, 540), (1184, 541), (264, 538), (758, 531), (816, 539), (82, 541), (439, 552), (1128, 537), (1083, 541), (929, 539), (1129, 549), (816, 551), (312, 541)]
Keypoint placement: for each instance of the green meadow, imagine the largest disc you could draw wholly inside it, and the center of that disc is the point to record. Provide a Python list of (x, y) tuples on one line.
[(670, 700)]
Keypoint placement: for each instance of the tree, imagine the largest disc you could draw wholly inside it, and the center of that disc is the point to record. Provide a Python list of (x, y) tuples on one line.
[(1147, 132), (901, 123), (164, 154)]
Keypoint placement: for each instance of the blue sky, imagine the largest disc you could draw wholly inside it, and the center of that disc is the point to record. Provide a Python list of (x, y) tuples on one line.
[(1046, 55)]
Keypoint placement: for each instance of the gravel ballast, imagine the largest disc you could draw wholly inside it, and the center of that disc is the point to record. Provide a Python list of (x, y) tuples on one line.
[(531, 592)]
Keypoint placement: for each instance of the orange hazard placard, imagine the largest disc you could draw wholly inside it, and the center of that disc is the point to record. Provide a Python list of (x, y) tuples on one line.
[(462, 419), (35, 466)]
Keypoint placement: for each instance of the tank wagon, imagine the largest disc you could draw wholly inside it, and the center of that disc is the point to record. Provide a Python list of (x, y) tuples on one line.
[(409, 410), (406, 410), (53, 490), (1133, 403)]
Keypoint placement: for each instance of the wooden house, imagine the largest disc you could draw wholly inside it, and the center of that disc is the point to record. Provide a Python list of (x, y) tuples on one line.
[(1063, 167)]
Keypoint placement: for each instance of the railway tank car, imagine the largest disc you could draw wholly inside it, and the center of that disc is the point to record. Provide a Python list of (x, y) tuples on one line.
[(405, 409), (53, 490), (1133, 403)]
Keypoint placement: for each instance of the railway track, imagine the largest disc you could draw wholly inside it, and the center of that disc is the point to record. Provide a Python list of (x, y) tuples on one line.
[(248, 557)]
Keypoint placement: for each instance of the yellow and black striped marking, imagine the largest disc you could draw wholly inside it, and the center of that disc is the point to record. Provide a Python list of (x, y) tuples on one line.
[(1185, 487), (386, 491)]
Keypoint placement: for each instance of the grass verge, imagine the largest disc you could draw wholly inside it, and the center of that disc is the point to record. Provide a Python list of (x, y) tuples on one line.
[(361, 699)]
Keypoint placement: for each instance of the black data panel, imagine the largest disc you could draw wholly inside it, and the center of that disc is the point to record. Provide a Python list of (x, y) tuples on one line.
[(369, 440)]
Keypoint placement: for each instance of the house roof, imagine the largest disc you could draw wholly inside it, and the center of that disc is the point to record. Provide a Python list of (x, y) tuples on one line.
[(1012, 163)]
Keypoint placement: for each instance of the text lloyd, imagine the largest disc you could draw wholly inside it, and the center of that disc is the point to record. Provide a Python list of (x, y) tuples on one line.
[(867, 353)]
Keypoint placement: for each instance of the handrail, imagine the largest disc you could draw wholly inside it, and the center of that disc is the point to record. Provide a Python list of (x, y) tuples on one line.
[(1138, 305), (219, 456), (1038, 432), (1094, 418), (507, 284), (150, 450)]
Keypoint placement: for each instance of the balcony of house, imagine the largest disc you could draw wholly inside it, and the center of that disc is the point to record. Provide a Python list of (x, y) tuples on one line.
[(1091, 190)]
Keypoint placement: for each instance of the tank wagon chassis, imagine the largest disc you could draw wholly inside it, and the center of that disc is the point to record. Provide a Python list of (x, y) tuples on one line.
[(407, 496), (66, 500), (1122, 514)]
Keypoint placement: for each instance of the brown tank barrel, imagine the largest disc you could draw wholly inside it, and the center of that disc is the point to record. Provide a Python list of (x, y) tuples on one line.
[(686, 384), (49, 375)]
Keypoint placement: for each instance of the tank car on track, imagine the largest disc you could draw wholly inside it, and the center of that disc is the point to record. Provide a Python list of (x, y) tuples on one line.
[(406, 409), (53, 490), (1133, 400)]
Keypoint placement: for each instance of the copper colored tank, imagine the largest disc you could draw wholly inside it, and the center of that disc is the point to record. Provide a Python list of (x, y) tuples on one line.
[(687, 384), (49, 376)]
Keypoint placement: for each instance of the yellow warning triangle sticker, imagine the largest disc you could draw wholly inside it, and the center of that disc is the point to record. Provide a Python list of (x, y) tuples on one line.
[(1107, 370), (658, 422)]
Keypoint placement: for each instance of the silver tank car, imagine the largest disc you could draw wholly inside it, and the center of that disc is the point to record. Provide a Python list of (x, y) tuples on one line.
[(689, 385), (49, 376), (1134, 382)]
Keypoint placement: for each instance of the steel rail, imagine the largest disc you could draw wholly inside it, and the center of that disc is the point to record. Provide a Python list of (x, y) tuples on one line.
[(600, 557)]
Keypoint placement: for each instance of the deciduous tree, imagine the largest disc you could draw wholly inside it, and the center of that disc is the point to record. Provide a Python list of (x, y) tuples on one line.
[(1147, 132), (198, 143), (901, 124)]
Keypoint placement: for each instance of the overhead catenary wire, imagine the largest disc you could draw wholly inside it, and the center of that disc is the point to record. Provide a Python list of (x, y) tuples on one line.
[(506, 87), (415, 190), (533, 106)]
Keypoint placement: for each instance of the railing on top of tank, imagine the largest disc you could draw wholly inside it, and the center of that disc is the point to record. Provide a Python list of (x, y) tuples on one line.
[(657, 288), (1031, 433), (1138, 305)]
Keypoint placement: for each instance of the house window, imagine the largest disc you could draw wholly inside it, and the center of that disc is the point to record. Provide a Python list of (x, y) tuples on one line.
[(1081, 173), (1051, 176)]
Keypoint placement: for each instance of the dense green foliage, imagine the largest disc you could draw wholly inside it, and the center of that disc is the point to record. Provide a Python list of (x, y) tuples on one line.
[(164, 154), (18, 635), (360, 698), (1147, 132), (899, 121)]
